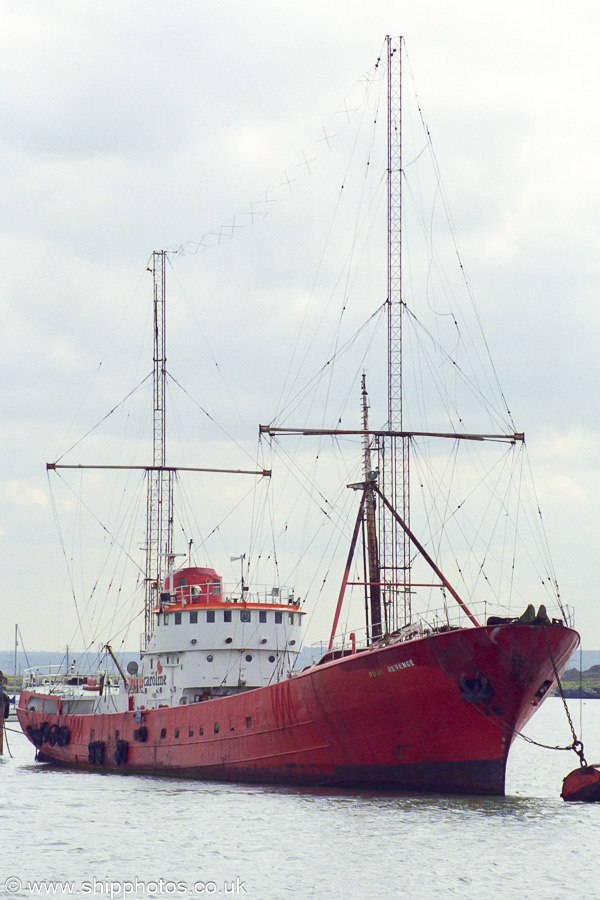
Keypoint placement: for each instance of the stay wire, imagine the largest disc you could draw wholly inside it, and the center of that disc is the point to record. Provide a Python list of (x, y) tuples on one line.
[(107, 416), (455, 238)]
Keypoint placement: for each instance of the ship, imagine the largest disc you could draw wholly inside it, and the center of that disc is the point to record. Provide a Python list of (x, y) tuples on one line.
[(406, 704)]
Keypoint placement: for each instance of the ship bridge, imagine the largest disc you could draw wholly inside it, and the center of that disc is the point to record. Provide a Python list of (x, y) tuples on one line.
[(210, 641)]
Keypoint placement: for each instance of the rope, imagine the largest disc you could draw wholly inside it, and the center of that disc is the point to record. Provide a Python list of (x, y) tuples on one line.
[(6, 739)]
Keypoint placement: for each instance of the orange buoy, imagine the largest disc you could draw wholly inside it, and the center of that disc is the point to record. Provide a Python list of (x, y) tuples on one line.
[(582, 784)]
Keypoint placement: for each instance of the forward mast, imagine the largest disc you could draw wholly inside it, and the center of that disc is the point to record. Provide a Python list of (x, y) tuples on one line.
[(388, 547), (394, 451)]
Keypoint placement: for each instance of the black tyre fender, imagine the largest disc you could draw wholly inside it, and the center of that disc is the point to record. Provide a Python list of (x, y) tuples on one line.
[(63, 736), (121, 752)]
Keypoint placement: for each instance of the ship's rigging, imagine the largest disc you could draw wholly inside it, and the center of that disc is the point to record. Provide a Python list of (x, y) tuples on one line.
[(388, 548), (390, 556)]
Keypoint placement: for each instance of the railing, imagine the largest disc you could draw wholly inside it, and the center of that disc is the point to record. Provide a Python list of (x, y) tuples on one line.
[(282, 596), (427, 622), (54, 678)]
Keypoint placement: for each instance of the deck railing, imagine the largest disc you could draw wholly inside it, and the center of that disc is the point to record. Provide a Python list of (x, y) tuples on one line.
[(427, 622)]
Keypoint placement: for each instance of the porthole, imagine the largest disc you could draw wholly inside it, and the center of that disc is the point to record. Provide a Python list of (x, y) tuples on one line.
[(248, 657), (209, 658), (263, 640), (292, 643), (193, 641), (271, 659), (228, 640)]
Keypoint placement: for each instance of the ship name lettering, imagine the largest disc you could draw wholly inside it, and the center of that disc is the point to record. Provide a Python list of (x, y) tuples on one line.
[(150, 680), (401, 665)]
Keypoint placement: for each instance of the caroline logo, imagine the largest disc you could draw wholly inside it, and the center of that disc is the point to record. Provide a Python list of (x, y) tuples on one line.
[(159, 667), (150, 680)]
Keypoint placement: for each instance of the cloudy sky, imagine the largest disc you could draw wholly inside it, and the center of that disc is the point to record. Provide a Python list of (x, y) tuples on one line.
[(135, 126)]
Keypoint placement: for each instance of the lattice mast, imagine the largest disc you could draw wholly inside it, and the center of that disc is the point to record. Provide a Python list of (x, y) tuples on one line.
[(395, 544), (159, 511), (374, 631)]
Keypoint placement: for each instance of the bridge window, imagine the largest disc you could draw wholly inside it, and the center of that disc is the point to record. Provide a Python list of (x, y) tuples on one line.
[(216, 588), (245, 615), (278, 618), (210, 615), (178, 618), (227, 615), (194, 618), (262, 615)]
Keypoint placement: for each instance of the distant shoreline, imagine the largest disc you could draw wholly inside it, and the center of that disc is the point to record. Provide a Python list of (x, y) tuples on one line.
[(576, 694), (578, 685)]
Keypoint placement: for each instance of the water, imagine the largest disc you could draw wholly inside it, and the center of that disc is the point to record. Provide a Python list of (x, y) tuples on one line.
[(120, 836)]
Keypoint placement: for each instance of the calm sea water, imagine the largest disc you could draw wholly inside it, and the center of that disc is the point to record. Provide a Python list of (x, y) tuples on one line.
[(106, 835)]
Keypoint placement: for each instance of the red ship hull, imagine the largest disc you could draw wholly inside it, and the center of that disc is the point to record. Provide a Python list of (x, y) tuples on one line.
[(436, 713)]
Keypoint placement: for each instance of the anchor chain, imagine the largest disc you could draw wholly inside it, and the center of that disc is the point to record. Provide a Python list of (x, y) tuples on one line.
[(577, 745)]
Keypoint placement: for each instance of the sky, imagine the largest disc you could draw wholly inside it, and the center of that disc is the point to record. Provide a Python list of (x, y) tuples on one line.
[(131, 127)]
